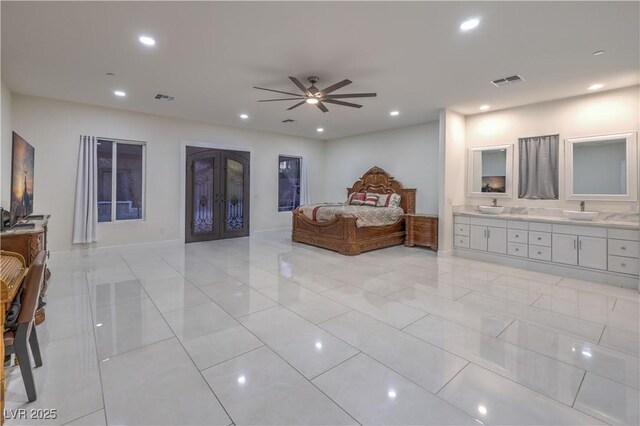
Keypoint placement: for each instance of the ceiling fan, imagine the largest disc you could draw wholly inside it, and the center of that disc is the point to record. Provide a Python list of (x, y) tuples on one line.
[(314, 96)]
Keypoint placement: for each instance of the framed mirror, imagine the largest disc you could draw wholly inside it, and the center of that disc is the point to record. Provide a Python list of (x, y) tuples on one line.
[(489, 171), (602, 168)]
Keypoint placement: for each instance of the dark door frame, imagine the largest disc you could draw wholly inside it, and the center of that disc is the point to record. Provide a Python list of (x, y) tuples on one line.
[(220, 157)]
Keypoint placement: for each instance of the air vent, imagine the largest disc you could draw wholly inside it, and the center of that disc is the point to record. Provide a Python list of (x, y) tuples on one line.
[(507, 81), (288, 120), (161, 97)]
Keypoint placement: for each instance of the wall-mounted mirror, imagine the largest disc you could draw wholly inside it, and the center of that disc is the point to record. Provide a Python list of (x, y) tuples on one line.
[(602, 168), (489, 171)]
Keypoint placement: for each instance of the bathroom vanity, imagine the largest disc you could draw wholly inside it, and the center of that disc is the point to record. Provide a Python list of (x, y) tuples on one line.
[(604, 250)]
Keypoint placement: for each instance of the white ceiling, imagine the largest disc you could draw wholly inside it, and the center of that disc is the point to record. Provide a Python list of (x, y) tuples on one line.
[(209, 55)]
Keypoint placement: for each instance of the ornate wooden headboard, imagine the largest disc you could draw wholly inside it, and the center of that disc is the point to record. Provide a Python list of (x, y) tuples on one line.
[(378, 181)]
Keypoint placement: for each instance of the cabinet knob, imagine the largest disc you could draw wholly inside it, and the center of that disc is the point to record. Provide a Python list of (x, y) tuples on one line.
[(539, 238), (539, 252), (623, 248), (517, 249), (623, 264)]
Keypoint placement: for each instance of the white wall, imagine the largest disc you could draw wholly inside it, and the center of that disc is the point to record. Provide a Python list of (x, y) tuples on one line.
[(589, 115), (452, 175), (53, 128), (5, 146), (410, 154)]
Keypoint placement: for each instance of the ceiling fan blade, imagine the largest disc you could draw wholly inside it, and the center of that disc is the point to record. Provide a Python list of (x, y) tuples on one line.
[(352, 95), (300, 85), (296, 105), (277, 91), (336, 86), (349, 104), (322, 107), (283, 99)]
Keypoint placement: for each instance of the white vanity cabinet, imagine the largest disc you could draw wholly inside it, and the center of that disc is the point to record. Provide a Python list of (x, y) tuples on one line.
[(488, 235), (577, 247), (580, 245)]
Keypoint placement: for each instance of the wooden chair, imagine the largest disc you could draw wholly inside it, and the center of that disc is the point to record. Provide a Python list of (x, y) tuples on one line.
[(24, 334)]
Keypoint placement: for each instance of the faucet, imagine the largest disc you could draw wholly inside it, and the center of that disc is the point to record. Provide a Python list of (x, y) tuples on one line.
[(581, 206), (494, 202)]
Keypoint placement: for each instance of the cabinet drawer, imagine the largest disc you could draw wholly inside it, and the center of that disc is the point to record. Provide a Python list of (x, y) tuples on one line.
[(461, 219), (461, 241), (517, 236), (540, 253), (587, 231), (540, 238), (517, 249), (539, 226), (460, 229), (516, 224), (624, 234), (424, 229), (624, 248), (625, 265), (496, 223)]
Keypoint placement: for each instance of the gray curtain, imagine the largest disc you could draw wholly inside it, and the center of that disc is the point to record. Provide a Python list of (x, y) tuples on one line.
[(538, 177), (85, 217)]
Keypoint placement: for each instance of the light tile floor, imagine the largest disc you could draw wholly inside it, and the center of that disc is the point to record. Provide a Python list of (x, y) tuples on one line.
[(262, 331)]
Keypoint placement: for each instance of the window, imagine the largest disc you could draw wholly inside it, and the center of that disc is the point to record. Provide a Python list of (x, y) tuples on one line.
[(288, 183), (120, 193)]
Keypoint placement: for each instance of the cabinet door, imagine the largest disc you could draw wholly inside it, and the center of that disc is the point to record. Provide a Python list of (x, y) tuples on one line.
[(497, 240), (592, 252), (565, 249), (478, 237)]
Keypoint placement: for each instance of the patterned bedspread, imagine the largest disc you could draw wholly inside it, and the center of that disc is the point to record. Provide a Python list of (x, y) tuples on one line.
[(367, 216)]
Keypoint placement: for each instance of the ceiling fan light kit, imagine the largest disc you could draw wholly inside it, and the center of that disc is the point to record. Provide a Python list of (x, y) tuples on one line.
[(314, 96)]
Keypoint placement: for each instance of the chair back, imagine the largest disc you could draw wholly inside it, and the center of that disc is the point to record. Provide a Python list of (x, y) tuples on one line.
[(31, 289)]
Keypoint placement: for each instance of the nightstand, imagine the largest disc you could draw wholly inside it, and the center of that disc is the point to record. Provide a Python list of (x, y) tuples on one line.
[(422, 230)]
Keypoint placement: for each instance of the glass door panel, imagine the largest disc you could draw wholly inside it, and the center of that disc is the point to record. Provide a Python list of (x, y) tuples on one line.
[(234, 195), (203, 196)]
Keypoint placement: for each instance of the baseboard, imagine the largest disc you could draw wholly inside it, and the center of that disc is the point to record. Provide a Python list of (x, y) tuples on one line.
[(610, 278), (445, 253)]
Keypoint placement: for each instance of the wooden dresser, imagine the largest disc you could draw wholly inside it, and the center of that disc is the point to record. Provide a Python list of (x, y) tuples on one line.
[(422, 230), (28, 242)]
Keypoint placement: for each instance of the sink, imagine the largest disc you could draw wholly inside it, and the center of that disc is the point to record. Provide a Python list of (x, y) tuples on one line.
[(491, 209), (578, 215)]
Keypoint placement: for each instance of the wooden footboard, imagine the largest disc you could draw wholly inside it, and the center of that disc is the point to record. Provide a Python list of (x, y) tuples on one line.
[(342, 234)]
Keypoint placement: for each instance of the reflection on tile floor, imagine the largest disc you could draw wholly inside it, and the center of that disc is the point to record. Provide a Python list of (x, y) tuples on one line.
[(262, 331)]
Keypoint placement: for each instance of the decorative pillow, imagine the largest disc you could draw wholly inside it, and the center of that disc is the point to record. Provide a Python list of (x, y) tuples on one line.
[(370, 200), (388, 200), (383, 200), (356, 198), (394, 200)]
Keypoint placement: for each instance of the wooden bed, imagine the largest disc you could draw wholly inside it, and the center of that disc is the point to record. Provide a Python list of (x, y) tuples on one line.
[(342, 234)]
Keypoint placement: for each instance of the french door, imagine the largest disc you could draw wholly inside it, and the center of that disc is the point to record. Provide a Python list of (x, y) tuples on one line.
[(217, 194)]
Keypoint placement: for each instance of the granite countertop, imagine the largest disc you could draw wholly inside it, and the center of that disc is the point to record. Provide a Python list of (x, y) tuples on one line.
[(620, 220)]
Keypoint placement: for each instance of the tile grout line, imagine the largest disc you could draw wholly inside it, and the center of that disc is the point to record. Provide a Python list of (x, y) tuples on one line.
[(184, 349), (578, 391), (289, 364)]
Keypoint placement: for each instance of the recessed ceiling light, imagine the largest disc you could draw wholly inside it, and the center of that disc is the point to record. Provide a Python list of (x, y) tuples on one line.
[(312, 101), (484, 107), (146, 40), (394, 113), (244, 116), (598, 53), (469, 24), (120, 93), (596, 86), (319, 130)]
